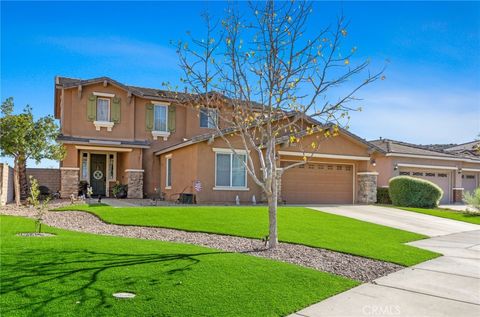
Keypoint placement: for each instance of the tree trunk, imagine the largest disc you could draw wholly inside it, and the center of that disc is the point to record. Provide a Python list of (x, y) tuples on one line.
[(22, 173), (16, 182), (272, 216)]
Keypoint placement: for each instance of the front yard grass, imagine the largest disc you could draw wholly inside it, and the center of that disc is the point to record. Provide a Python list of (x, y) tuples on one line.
[(75, 274), (445, 213), (296, 225)]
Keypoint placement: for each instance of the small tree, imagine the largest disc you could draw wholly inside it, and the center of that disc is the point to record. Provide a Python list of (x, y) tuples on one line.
[(23, 138), (278, 85), (40, 206)]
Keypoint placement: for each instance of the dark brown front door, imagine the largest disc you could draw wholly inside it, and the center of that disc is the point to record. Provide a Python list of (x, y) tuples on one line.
[(98, 174)]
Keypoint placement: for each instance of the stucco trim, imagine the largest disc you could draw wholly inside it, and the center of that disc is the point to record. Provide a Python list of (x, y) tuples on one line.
[(242, 189), (433, 157), (103, 124), (102, 148), (228, 150), (332, 156), (134, 170), (103, 94), (438, 167), (70, 168), (458, 188), (466, 169), (367, 173)]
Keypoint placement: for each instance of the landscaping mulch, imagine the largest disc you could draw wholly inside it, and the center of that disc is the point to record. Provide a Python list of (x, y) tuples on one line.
[(355, 267)]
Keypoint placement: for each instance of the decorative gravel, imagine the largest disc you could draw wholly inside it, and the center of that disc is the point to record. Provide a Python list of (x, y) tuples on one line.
[(355, 267)]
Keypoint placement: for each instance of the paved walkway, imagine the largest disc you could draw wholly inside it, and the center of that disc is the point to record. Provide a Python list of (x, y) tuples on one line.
[(445, 286), (396, 218)]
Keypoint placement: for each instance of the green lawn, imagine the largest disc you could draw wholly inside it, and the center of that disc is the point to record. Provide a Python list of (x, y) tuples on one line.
[(445, 213), (296, 225), (74, 274)]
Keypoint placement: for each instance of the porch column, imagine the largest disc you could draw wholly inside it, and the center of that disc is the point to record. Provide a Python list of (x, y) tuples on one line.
[(135, 183), (367, 187), (69, 181)]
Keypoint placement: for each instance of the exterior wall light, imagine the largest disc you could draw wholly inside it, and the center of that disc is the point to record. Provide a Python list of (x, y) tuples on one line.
[(395, 167), (373, 162)]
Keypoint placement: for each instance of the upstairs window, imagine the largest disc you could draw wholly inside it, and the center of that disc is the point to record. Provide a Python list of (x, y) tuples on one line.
[(208, 118), (160, 118), (103, 109)]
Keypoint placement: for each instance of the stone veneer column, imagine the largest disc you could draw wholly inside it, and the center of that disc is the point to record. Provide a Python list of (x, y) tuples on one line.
[(457, 194), (367, 187), (135, 183), (69, 181)]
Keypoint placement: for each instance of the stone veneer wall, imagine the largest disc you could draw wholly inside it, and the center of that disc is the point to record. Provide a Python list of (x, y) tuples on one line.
[(367, 187), (135, 183), (69, 181)]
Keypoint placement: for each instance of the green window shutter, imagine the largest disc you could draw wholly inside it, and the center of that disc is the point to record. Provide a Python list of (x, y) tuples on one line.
[(149, 116), (115, 110), (92, 108), (171, 118)]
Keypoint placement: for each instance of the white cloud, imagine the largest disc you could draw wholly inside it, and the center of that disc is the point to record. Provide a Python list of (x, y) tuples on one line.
[(125, 50)]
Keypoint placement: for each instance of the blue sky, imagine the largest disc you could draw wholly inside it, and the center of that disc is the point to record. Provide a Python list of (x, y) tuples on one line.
[(431, 94)]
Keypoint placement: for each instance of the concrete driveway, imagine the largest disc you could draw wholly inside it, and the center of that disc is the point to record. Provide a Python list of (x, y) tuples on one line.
[(445, 286), (396, 218)]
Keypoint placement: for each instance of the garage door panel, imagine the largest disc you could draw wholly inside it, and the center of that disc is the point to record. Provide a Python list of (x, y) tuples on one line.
[(469, 182), (318, 183)]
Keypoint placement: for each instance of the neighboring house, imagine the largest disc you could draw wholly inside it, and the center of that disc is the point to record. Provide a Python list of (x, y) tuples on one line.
[(146, 139), (469, 149), (454, 170)]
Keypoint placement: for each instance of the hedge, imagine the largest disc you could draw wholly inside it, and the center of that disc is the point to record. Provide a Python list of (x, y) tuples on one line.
[(406, 191), (383, 197)]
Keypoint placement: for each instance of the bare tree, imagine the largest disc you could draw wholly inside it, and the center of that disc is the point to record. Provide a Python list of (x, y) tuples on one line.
[(274, 84)]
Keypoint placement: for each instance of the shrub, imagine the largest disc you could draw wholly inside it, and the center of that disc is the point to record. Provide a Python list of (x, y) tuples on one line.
[(408, 191), (473, 202), (383, 197)]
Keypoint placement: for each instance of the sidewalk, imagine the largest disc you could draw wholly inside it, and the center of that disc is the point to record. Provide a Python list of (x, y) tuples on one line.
[(445, 286)]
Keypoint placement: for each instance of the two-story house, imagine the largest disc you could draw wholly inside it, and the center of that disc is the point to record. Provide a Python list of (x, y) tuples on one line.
[(147, 139), (144, 138)]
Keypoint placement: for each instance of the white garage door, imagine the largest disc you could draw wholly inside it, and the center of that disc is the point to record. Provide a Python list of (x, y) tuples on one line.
[(469, 182), (441, 178)]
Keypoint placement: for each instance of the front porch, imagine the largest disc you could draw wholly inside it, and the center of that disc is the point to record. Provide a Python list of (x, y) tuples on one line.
[(101, 168)]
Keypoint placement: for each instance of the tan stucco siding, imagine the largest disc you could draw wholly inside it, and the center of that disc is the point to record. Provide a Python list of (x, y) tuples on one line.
[(75, 114)]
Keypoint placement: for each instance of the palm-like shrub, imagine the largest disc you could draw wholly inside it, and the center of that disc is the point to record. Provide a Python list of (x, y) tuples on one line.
[(473, 201), (408, 191)]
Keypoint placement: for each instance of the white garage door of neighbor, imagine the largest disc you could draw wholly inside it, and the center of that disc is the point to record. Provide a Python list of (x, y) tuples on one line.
[(441, 178), (469, 182), (318, 184)]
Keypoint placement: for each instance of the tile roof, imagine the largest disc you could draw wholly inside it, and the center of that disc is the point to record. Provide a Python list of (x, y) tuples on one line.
[(469, 146), (144, 92), (137, 143), (393, 146)]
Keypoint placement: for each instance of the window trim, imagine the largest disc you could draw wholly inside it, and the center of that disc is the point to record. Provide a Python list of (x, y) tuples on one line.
[(208, 118), (168, 158), (232, 154)]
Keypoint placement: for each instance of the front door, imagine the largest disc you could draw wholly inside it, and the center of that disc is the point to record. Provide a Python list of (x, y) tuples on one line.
[(98, 174)]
